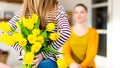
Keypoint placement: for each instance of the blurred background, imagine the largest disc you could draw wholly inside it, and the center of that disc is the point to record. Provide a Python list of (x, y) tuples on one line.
[(103, 15)]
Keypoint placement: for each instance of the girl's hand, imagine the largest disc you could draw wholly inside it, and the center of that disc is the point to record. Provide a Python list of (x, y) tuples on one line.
[(38, 59), (75, 65)]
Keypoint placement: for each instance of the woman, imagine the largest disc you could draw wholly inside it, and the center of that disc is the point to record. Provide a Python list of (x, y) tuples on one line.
[(81, 48), (48, 11)]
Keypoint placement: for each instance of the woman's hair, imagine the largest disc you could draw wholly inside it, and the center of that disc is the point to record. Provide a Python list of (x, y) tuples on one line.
[(43, 8), (82, 6)]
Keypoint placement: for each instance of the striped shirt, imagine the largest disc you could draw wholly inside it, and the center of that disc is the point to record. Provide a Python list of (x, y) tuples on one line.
[(62, 26)]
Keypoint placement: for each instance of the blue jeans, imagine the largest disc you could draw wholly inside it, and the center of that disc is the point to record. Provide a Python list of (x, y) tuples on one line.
[(47, 64)]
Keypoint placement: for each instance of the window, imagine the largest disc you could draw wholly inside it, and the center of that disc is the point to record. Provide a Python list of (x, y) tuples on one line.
[(100, 18), (99, 21), (99, 1), (102, 45)]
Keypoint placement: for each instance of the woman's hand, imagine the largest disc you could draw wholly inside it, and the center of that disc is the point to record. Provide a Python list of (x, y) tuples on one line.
[(75, 65), (37, 60)]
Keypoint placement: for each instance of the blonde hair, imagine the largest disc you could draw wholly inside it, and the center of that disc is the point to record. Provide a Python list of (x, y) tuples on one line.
[(43, 8)]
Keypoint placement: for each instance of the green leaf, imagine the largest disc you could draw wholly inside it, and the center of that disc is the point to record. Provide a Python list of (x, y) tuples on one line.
[(48, 34), (30, 31), (23, 66), (44, 34), (24, 30), (51, 50), (45, 44), (26, 66), (37, 24)]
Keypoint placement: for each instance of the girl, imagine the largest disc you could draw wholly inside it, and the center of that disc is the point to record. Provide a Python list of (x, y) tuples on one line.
[(48, 11), (81, 48)]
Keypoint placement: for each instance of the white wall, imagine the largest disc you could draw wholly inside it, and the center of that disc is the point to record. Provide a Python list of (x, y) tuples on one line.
[(114, 35), (12, 7), (69, 4)]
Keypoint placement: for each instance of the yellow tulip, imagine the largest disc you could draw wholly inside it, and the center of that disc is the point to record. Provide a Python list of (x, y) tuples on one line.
[(54, 36), (5, 38), (34, 18), (32, 38), (36, 47), (30, 26), (61, 63), (50, 27), (10, 41), (29, 58), (5, 26), (0, 38), (22, 42), (17, 36), (40, 39), (27, 23), (36, 31), (24, 21)]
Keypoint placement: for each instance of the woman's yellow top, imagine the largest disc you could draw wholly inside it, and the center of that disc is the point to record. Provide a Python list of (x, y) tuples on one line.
[(78, 46), (82, 49)]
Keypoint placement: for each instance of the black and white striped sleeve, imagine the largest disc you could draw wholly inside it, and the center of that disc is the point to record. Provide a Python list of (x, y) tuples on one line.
[(12, 22), (63, 28)]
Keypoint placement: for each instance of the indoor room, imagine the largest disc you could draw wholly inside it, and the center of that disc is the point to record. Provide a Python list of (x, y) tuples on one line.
[(103, 15)]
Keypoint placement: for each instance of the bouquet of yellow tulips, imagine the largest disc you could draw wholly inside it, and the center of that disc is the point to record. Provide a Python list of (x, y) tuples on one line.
[(30, 37)]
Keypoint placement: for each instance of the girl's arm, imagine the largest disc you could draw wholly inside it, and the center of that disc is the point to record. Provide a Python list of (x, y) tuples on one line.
[(67, 53), (63, 28), (92, 52), (12, 22)]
